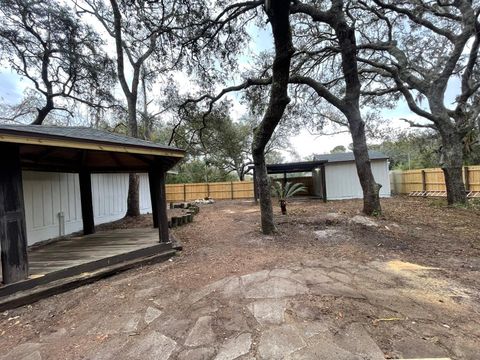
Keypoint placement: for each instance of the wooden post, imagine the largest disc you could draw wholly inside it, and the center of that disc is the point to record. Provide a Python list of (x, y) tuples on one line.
[(86, 202), (231, 188), (424, 181), (255, 190), (154, 184), (284, 178), (466, 178), (324, 183), (184, 192), (208, 190), (13, 234), (159, 202)]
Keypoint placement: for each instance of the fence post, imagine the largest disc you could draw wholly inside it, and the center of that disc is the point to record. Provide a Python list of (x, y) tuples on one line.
[(424, 181), (466, 178), (231, 188), (184, 192), (208, 190)]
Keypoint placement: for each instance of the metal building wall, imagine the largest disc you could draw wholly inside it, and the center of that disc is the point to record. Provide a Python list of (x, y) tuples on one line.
[(343, 183)]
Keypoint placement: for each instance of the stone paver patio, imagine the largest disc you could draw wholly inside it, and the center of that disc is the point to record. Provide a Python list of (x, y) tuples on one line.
[(273, 314)]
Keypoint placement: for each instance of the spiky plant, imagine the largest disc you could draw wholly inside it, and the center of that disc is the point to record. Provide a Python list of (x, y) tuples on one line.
[(285, 192)]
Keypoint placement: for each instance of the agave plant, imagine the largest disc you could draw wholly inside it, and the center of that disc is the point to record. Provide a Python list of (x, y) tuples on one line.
[(285, 192)]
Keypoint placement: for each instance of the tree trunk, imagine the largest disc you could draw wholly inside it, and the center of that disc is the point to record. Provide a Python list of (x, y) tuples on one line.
[(133, 199), (348, 47), (279, 16), (43, 112), (451, 162), (370, 189)]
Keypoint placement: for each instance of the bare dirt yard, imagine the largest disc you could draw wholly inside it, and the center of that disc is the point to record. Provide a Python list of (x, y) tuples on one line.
[(330, 284)]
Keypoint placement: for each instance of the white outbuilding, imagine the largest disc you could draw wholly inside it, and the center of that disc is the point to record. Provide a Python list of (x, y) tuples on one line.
[(341, 176)]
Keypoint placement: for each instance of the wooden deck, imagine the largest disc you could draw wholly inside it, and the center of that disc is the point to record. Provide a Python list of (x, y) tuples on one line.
[(78, 250), (87, 256)]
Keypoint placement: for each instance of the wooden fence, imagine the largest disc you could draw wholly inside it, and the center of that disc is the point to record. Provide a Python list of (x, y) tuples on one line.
[(230, 190), (405, 182)]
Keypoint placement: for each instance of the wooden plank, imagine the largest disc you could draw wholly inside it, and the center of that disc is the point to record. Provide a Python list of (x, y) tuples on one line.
[(466, 178), (154, 183), (162, 208), (28, 291), (77, 144), (86, 202), (13, 234), (324, 183), (424, 181)]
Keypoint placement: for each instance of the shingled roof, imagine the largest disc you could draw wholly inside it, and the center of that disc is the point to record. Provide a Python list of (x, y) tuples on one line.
[(348, 156), (82, 134), (70, 149)]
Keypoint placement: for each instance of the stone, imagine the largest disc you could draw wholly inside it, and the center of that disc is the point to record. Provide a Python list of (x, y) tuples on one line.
[(148, 292), (152, 346), (278, 342), (254, 277), (201, 332), (27, 350), (309, 328), (333, 218), (53, 335), (33, 356), (363, 220), (323, 348), (197, 354), (325, 234), (417, 347), (267, 312), (151, 314), (311, 276), (341, 277), (336, 289), (232, 288), (274, 288), (235, 347), (281, 273), (207, 290), (356, 340), (119, 323)]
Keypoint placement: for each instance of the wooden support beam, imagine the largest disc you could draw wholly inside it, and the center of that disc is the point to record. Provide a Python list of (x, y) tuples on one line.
[(154, 188), (159, 202), (324, 183), (13, 234), (466, 178), (87, 202), (424, 181)]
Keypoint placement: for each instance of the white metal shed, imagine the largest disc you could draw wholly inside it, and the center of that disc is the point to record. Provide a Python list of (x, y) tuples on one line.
[(341, 175)]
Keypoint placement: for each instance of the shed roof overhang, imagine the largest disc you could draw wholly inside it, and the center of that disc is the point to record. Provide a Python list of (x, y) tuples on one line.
[(52, 148), (293, 167)]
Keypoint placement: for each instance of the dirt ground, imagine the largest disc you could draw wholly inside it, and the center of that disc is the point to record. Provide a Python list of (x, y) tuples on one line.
[(430, 252)]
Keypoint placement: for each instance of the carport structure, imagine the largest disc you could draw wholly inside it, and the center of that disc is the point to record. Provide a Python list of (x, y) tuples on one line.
[(296, 167), (72, 150)]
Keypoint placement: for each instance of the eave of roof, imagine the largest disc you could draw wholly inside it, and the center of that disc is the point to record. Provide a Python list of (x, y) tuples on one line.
[(349, 157), (301, 166), (24, 135)]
